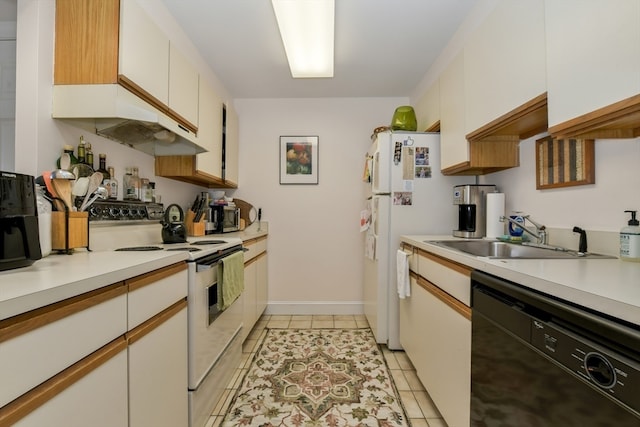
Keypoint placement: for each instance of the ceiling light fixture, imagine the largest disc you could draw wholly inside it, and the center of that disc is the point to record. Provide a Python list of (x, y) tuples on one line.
[(306, 28)]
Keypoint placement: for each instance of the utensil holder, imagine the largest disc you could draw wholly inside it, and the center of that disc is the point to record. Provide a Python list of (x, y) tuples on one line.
[(194, 229), (69, 230)]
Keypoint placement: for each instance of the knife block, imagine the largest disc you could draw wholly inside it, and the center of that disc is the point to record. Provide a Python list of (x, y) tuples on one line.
[(194, 229)]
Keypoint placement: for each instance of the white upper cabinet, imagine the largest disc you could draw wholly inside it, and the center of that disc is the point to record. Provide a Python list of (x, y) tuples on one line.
[(454, 146), (593, 55), (183, 86), (232, 146), (210, 131), (504, 61), (428, 108), (143, 51)]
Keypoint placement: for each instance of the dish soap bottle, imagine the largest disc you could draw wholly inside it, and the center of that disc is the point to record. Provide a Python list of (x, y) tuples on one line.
[(630, 240)]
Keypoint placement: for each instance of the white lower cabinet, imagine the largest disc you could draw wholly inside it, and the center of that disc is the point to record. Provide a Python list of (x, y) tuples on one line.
[(158, 373), (262, 277), (249, 317), (97, 399), (435, 332), (255, 283), (78, 364)]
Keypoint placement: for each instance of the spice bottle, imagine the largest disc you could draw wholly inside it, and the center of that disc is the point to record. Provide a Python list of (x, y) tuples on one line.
[(112, 184)]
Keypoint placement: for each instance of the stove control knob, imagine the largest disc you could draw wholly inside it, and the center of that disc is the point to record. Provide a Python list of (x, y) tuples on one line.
[(114, 213)]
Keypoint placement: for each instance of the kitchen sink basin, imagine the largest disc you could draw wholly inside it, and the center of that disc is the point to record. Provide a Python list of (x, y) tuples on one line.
[(505, 250)]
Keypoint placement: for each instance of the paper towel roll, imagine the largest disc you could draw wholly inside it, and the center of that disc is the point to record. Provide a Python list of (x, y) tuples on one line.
[(495, 209)]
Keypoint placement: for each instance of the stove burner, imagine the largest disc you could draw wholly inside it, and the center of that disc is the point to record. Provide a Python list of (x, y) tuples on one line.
[(185, 248), (209, 242), (141, 248)]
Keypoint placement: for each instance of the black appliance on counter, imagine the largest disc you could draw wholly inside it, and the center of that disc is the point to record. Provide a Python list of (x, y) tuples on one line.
[(540, 361), (173, 228), (19, 238), (223, 219)]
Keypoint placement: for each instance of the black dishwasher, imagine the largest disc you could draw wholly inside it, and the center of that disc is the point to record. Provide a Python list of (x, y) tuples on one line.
[(538, 361)]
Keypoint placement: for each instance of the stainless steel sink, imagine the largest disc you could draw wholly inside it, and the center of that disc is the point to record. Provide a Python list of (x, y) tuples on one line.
[(504, 250)]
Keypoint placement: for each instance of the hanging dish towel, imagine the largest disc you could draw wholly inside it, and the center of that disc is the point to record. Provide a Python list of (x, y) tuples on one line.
[(402, 268), (230, 279)]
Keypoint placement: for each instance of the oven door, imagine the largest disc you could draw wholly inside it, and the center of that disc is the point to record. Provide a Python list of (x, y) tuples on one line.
[(210, 329)]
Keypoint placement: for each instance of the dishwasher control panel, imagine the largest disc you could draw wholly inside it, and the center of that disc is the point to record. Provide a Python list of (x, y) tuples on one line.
[(614, 374)]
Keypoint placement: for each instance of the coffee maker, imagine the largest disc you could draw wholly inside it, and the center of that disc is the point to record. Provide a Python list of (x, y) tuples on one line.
[(471, 200), (19, 235)]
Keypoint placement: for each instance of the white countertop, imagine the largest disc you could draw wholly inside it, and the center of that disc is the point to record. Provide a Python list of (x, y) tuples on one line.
[(609, 286), (57, 277)]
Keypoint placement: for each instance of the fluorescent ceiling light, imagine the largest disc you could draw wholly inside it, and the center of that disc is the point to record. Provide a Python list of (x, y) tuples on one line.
[(306, 28)]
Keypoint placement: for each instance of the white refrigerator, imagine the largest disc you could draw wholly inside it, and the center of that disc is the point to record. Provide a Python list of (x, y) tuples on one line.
[(407, 194)]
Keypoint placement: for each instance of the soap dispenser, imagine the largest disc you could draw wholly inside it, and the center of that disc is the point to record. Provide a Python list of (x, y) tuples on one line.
[(630, 240)]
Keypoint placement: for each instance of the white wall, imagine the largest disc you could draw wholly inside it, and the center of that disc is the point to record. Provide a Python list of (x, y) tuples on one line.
[(315, 247), (598, 206)]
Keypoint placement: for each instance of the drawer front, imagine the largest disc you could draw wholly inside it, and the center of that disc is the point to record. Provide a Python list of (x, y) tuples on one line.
[(151, 293), (254, 247), (451, 278), (98, 399), (61, 336)]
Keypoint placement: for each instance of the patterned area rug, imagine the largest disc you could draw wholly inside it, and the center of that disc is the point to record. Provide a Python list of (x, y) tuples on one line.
[(317, 377)]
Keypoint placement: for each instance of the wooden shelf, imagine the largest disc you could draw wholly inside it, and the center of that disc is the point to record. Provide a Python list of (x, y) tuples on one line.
[(184, 168)]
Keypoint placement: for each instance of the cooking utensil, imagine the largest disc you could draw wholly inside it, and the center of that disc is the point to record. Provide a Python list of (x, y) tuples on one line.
[(46, 178), (62, 188), (94, 182), (81, 186), (62, 174), (100, 193), (65, 161), (245, 211)]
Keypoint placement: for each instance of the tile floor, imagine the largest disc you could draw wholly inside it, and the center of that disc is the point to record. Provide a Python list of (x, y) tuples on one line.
[(417, 403)]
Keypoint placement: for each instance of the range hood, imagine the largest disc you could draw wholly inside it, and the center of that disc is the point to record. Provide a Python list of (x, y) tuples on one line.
[(112, 111)]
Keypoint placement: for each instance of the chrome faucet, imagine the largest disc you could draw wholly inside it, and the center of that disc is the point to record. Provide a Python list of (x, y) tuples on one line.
[(540, 232)]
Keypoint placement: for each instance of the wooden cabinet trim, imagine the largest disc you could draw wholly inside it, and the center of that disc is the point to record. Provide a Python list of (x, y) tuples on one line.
[(29, 321), (450, 301), (153, 276), (618, 120), (254, 240), (134, 88), (148, 326), (460, 268), (30, 401), (256, 258), (525, 121)]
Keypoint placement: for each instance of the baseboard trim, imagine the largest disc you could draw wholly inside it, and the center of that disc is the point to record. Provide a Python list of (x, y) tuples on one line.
[(314, 307)]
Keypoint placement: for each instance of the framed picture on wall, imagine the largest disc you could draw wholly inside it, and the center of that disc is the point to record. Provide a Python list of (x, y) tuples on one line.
[(564, 162), (298, 160)]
